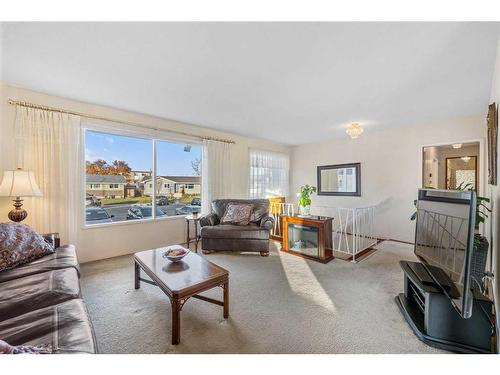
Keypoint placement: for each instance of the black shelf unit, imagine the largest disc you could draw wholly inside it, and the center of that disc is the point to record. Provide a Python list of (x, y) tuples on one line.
[(434, 320)]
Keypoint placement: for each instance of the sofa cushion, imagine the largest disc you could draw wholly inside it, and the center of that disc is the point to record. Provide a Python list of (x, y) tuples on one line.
[(20, 244), (64, 257), (65, 327), (237, 214), (234, 244), (226, 231), (34, 292), (6, 348), (260, 207)]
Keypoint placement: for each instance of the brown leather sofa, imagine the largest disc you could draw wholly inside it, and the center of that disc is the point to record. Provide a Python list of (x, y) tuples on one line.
[(225, 237), (41, 304)]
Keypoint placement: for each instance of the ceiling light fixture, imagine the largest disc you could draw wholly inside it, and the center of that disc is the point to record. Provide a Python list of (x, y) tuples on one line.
[(457, 145), (355, 130), (465, 158)]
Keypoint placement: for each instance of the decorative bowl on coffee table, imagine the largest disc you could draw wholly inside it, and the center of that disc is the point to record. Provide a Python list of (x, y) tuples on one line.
[(175, 253)]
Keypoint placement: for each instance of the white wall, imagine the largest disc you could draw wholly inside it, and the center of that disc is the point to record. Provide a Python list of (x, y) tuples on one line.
[(99, 243), (495, 198), (391, 167)]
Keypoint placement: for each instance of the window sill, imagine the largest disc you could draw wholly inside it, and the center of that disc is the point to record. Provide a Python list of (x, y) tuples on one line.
[(132, 222)]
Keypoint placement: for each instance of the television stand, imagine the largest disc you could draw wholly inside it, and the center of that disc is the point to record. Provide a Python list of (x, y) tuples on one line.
[(434, 320)]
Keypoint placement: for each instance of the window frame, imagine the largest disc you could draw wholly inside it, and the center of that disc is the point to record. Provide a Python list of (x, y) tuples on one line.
[(133, 133)]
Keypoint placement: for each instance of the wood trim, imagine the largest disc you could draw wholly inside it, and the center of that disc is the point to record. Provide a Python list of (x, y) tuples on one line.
[(361, 254), (186, 292), (208, 299), (400, 241), (324, 227), (365, 252), (327, 259)]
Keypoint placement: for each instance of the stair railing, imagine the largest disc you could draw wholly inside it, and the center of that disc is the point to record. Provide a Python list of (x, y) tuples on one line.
[(353, 229)]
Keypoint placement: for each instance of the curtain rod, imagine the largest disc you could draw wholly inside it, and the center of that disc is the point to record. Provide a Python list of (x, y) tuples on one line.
[(60, 110)]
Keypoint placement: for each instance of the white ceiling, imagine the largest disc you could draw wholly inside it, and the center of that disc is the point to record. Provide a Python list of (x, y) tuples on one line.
[(288, 82)]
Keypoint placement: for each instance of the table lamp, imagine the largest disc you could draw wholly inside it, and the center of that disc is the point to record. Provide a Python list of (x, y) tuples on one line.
[(19, 184)]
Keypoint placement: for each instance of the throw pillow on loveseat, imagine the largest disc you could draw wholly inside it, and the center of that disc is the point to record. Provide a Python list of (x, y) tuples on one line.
[(20, 244)]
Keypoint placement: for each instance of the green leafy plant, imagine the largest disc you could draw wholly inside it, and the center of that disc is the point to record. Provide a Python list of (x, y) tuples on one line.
[(482, 210), (305, 195)]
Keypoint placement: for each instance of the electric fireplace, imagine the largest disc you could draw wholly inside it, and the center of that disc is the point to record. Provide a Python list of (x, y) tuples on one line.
[(308, 236)]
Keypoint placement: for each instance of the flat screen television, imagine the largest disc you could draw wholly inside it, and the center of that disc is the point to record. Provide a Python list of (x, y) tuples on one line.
[(444, 240)]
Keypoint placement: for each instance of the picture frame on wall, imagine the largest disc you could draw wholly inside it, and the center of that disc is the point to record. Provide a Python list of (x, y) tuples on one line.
[(492, 124)]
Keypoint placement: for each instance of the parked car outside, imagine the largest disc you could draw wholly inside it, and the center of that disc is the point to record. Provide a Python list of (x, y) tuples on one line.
[(97, 215), (187, 210), (141, 211), (196, 202), (92, 200), (161, 201)]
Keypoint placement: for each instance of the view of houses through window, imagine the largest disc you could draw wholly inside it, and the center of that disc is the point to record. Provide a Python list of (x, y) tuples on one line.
[(119, 178)]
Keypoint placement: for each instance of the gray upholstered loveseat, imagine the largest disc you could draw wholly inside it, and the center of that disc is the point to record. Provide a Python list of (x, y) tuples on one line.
[(228, 237)]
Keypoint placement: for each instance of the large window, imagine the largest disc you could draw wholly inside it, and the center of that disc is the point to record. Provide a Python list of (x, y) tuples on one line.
[(119, 175), (176, 165), (268, 174)]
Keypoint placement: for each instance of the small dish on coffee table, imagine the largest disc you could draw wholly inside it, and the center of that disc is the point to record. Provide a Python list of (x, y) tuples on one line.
[(175, 253)]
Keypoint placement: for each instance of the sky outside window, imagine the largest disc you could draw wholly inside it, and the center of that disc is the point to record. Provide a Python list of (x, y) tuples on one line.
[(172, 159)]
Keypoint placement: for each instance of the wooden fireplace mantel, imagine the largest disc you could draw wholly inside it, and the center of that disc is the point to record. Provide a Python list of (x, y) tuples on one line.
[(324, 227)]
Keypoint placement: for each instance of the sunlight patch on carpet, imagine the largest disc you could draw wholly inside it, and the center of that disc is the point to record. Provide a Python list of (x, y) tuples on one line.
[(303, 282)]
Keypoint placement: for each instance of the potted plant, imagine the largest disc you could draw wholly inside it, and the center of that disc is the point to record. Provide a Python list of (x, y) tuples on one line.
[(480, 248), (305, 199)]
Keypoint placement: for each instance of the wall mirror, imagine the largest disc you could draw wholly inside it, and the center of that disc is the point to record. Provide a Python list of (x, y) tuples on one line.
[(451, 166), (340, 179)]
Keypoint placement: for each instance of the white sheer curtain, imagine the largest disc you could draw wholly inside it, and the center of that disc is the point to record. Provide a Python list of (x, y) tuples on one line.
[(216, 172), (268, 174), (48, 143)]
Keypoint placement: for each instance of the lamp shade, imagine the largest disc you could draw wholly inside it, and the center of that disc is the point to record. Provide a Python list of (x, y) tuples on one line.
[(19, 183)]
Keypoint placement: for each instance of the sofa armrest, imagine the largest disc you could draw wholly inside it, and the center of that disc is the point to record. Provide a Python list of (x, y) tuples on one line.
[(209, 220), (267, 222), (53, 239)]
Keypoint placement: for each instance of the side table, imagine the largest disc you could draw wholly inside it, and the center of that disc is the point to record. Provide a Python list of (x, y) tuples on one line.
[(196, 238)]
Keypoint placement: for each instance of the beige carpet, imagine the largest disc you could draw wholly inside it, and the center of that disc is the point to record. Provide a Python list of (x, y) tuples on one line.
[(279, 304)]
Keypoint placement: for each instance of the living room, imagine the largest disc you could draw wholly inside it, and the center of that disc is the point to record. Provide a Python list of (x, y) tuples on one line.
[(167, 190)]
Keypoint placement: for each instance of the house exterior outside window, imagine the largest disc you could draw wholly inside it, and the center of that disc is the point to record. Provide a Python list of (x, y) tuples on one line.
[(169, 185), (105, 186), (117, 192), (140, 175)]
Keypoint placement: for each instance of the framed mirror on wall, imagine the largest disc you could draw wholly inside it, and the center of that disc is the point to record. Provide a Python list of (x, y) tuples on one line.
[(339, 179), (449, 166)]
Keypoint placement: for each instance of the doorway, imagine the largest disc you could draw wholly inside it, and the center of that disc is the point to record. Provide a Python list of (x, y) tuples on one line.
[(452, 166)]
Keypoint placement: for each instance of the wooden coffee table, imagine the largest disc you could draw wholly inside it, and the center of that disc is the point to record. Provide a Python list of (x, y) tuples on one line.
[(181, 281)]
